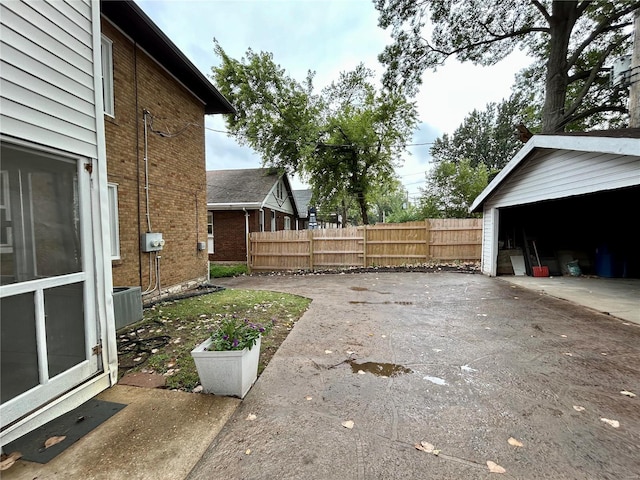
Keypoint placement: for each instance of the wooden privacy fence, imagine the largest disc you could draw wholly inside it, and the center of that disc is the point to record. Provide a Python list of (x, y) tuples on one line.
[(386, 244)]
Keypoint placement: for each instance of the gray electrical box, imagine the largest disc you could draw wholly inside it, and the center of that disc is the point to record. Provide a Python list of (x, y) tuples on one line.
[(151, 242)]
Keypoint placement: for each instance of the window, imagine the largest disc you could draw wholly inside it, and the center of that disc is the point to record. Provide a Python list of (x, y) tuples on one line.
[(114, 229), (287, 223), (210, 248), (261, 220), (107, 76), (273, 220)]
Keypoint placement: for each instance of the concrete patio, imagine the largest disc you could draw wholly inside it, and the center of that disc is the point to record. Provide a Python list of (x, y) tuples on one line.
[(480, 361)]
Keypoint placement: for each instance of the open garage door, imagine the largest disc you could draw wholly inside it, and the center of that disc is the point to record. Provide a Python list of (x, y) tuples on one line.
[(598, 230)]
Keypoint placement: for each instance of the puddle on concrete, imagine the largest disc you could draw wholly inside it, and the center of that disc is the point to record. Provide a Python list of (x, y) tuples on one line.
[(365, 289), (379, 369), (358, 302), (436, 380)]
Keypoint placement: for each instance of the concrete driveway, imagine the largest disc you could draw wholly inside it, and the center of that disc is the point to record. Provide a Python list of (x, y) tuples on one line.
[(461, 362)]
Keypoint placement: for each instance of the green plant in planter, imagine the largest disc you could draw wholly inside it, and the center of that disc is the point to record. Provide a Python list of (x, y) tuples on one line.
[(237, 334)]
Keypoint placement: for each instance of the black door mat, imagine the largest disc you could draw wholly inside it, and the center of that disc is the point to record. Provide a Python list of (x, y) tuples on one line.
[(72, 425)]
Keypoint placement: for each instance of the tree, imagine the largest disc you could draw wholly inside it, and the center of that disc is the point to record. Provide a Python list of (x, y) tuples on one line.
[(572, 39), (484, 137), (529, 88), (451, 187), (399, 209), (275, 115), (346, 141)]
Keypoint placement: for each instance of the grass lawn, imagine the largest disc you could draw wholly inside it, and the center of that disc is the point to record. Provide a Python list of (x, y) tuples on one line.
[(220, 271), (162, 341)]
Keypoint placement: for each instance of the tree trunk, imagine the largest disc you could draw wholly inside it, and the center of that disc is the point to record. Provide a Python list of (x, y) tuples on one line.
[(363, 209), (563, 18), (344, 213)]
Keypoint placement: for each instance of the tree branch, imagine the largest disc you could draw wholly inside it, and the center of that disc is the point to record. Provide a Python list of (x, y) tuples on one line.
[(582, 7), (498, 38), (589, 81), (579, 76), (542, 10), (604, 26), (592, 111), (344, 135)]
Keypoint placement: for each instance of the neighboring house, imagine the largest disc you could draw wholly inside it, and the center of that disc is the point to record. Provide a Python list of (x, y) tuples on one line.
[(156, 101), (57, 336), (244, 201), (302, 198), (576, 195)]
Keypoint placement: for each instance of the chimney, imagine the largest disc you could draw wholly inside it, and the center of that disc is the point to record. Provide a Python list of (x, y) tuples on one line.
[(634, 79)]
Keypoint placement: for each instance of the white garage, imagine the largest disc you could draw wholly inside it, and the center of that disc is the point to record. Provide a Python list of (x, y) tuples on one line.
[(569, 202)]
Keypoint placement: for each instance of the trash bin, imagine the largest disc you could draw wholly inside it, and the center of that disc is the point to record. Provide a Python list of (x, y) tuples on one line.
[(574, 268), (605, 262)]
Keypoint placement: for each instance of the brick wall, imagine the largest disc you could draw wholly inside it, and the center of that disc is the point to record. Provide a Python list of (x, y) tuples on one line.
[(229, 236), (176, 169), (230, 232)]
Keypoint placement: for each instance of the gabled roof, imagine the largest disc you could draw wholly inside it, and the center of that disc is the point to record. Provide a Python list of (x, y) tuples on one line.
[(242, 188), (624, 141), (130, 18), (302, 199)]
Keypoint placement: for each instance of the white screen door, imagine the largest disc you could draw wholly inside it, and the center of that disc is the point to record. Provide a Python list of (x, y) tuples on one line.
[(48, 327)]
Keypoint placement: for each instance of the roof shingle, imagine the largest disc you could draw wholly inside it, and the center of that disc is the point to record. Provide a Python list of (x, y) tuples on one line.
[(250, 185)]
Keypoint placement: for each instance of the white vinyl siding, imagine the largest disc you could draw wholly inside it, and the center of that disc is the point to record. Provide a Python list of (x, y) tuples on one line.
[(490, 223), (47, 87), (554, 174), (278, 199)]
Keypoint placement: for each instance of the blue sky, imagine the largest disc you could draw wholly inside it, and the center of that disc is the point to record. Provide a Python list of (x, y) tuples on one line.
[(325, 36)]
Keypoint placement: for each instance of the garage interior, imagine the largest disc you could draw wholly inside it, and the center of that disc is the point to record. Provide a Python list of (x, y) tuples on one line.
[(594, 234)]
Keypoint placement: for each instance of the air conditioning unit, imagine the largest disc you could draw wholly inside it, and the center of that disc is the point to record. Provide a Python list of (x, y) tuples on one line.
[(620, 73), (127, 305)]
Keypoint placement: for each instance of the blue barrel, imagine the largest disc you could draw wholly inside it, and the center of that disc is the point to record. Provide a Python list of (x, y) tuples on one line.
[(604, 262)]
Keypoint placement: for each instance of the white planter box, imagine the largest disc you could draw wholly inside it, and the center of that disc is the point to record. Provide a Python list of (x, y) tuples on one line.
[(229, 373)]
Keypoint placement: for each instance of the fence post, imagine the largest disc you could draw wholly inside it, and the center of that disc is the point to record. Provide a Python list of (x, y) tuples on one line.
[(310, 249), (364, 246), (427, 239), (249, 253)]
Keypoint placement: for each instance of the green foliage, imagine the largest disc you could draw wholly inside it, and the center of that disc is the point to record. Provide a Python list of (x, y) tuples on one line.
[(234, 333), (268, 104), (410, 213), (221, 271), (570, 41), (393, 206), (451, 188), (345, 141), (484, 137)]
